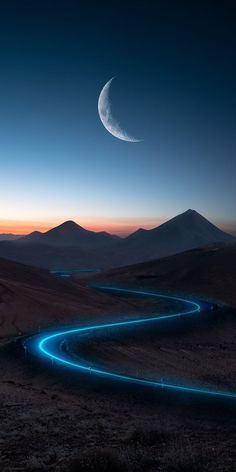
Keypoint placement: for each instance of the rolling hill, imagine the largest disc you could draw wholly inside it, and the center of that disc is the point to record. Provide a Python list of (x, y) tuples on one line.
[(209, 272), (32, 298)]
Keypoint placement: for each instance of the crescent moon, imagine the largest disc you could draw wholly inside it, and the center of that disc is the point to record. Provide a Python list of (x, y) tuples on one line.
[(110, 123)]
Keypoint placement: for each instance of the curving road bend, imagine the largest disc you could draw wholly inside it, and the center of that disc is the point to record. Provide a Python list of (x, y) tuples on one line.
[(49, 346)]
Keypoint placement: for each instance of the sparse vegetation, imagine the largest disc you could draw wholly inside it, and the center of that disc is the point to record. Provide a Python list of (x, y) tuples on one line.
[(183, 465), (182, 457), (98, 460), (141, 457), (149, 437)]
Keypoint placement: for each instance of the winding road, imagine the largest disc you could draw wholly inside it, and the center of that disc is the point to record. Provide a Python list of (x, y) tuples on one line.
[(50, 345)]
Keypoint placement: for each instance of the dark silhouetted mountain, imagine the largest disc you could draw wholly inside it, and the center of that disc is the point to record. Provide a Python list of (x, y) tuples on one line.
[(69, 246), (186, 231), (70, 234)]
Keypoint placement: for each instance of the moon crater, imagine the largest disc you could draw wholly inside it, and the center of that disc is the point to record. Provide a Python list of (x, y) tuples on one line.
[(106, 117)]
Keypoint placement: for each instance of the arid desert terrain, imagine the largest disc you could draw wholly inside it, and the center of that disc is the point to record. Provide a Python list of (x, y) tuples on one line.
[(53, 419)]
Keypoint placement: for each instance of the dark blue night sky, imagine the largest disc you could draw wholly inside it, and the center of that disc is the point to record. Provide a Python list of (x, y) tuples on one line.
[(175, 70)]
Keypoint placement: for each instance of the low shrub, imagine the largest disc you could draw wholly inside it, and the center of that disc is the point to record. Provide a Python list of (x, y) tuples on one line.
[(99, 460), (149, 437)]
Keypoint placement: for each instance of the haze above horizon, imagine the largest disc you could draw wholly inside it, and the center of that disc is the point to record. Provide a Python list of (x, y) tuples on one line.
[(122, 229), (175, 88)]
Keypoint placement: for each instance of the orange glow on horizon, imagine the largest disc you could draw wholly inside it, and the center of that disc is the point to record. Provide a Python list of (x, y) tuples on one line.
[(21, 228), (120, 226)]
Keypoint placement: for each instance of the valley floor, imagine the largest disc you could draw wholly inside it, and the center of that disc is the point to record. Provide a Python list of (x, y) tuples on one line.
[(52, 420)]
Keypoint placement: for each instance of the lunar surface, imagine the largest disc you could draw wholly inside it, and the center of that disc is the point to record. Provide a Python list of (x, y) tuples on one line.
[(107, 119)]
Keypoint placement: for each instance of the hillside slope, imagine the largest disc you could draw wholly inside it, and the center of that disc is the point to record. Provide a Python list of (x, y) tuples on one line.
[(31, 298), (209, 272)]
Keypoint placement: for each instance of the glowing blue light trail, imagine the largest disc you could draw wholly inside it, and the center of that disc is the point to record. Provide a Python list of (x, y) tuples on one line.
[(46, 345)]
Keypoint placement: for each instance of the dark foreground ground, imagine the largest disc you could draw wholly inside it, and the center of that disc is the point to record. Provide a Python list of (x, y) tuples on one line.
[(54, 420)]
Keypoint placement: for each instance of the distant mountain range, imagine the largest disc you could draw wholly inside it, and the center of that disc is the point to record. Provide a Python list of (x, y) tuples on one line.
[(71, 234), (69, 246), (186, 231), (9, 237)]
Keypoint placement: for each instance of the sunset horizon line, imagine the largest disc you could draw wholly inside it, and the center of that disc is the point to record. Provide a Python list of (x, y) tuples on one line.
[(22, 227), (120, 227)]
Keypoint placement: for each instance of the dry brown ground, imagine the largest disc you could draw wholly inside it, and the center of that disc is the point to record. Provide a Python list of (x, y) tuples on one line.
[(206, 272), (49, 416), (200, 352)]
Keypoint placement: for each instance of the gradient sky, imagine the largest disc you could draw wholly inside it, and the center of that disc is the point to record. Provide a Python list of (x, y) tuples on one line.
[(175, 88)]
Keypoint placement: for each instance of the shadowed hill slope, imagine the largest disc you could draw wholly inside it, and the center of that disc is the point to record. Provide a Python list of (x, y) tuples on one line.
[(209, 272), (31, 298)]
